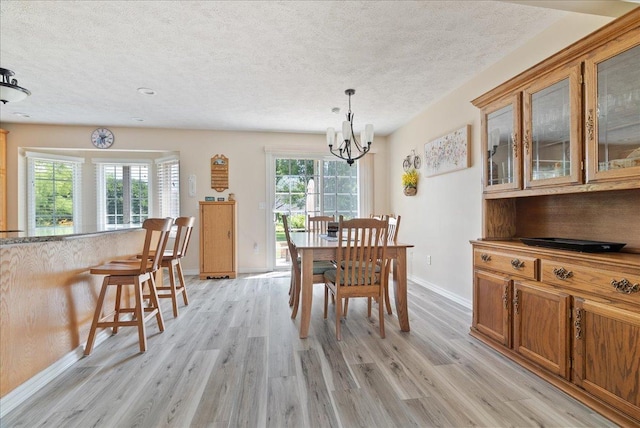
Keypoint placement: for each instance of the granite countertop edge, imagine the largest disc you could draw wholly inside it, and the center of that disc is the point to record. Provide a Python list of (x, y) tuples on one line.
[(25, 239)]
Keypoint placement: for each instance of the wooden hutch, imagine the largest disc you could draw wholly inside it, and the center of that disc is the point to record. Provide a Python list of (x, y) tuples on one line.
[(561, 144)]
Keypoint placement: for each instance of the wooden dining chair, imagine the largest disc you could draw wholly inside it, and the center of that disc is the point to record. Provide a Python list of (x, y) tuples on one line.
[(319, 224), (392, 238), (362, 244), (171, 260), (136, 273), (319, 267)]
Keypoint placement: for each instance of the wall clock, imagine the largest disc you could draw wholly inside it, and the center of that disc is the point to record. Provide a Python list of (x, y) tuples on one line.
[(102, 138)]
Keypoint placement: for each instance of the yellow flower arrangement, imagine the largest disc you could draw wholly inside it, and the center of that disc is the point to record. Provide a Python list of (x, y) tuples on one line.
[(410, 178)]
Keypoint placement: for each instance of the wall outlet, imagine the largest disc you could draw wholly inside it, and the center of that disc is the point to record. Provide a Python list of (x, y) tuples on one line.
[(256, 249), (428, 260)]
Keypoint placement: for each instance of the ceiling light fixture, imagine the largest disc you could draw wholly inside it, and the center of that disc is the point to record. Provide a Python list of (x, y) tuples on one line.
[(9, 89), (349, 148), (146, 91)]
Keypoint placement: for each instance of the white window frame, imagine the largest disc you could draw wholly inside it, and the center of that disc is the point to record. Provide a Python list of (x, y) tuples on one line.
[(101, 187), (168, 206), (76, 163)]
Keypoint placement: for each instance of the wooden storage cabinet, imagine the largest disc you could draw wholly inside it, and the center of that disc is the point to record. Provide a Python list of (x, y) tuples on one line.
[(218, 236), (607, 354), (3, 179), (570, 322), (491, 306), (541, 326), (612, 109), (536, 137)]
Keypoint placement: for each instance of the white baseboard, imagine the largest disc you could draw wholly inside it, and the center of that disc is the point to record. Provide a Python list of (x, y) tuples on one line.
[(443, 292), (19, 395)]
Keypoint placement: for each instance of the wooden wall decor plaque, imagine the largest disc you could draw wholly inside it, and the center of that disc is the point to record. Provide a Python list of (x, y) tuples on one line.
[(219, 173)]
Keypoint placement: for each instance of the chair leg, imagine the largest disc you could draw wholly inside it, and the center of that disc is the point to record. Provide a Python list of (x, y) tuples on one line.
[(326, 300), (381, 316), (338, 314), (291, 287), (369, 307), (346, 307), (155, 304), (296, 295), (116, 315), (386, 298), (172, 289), (96, 317), (139, 314), (183, 285)]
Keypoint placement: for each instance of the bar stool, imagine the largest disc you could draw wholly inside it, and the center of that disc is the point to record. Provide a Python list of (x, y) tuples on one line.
[(171, 260), (135, 273)]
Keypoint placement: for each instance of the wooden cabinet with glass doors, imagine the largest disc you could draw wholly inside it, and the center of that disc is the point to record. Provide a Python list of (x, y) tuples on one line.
[(501, 144), (538, 139), (551, 120), (612, 108)]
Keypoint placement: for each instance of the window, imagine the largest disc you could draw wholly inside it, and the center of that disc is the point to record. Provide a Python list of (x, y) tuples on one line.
[(315, 187), (53, 194), (168, 191), (123, 197)]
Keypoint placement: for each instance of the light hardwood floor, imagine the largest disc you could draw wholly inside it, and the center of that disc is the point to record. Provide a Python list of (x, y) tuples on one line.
[(233, 359)]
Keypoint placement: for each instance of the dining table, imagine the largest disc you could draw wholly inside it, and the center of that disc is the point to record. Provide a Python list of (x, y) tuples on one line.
[(314, 246)]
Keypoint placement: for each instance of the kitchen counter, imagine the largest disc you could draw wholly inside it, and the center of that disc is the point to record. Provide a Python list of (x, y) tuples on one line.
[(11, 237)]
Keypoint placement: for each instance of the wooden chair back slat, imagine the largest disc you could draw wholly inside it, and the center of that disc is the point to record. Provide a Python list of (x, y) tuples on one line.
[(319, 223)]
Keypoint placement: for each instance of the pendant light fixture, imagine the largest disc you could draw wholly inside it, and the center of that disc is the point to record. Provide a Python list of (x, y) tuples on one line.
[(349, 148), (9, 89)]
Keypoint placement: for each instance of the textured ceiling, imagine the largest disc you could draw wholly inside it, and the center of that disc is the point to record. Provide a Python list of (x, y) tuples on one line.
[(238, 65)]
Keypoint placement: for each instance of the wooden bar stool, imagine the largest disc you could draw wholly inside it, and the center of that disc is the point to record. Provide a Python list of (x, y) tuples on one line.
[(135, 273), (171, 259)]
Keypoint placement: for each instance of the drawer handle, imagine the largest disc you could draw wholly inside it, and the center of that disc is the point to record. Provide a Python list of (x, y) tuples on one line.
[(624, 286), (517, 264), (516, 302), (485, 257), (562, 273)]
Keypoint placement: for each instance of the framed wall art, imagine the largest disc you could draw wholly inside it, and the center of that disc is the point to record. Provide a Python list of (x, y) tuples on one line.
[(448, 153)]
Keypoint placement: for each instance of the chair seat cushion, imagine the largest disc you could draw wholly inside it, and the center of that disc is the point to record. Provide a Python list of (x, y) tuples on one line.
[(344, 264), (320, 266), (365, 278)]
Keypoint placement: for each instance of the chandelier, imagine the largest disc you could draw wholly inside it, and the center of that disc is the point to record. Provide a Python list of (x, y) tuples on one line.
[(349, 148), (9, 89)]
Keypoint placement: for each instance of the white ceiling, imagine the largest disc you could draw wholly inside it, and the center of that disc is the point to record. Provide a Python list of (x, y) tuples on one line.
[(256, 65)]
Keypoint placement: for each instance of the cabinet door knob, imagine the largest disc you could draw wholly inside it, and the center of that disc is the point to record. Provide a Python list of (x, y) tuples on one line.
[(590, 124), (562, 273), (485, 257), (229, 234), (517, 264), (624, 286)]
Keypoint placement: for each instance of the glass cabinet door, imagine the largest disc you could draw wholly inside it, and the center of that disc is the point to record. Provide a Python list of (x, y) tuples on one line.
[(612, 122), (501, 145), (551, 123)]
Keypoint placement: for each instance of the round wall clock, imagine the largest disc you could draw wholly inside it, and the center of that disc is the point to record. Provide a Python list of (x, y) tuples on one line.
[(102, 138)]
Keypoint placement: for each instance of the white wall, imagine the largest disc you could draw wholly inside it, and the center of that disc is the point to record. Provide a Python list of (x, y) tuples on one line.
[(247, 171), (440, 220), (446, 212)]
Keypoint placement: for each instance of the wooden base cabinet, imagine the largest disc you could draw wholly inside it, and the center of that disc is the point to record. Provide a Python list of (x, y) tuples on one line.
[(571, 318), (541, 326), (491, 306), (218, 234), (607, 354)]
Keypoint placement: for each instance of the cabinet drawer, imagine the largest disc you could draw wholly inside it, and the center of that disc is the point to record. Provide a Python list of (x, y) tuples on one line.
[(605, 283), (509, 263)]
